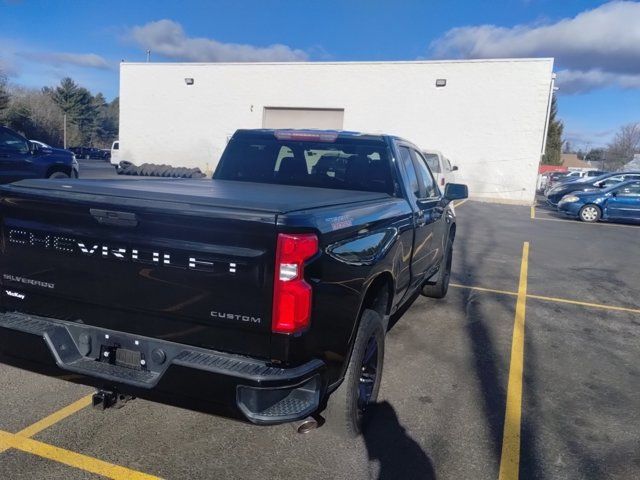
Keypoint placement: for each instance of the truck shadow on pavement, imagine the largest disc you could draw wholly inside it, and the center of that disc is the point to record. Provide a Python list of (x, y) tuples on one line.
[(491, 363), (388, 443)]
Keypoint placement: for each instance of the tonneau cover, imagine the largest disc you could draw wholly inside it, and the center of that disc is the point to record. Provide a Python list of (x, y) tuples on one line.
[(209, 193)]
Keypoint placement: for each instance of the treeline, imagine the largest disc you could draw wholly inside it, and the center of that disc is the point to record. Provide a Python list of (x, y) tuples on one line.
[(39, 114)]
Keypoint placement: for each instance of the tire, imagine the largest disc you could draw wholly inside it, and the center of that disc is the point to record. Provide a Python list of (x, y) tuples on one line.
[(590, 213), (346, 412), (58, 175), (440, 288)]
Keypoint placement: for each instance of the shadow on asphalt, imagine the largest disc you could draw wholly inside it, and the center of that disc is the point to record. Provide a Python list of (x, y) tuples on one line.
[(388, 443), (491, 367)]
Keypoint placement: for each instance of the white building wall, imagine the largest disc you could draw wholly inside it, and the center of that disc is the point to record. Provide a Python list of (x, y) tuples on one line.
[(489, 119)]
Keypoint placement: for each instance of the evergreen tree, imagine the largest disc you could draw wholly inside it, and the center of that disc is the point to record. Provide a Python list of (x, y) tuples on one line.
[(78, 103), (553, 151)]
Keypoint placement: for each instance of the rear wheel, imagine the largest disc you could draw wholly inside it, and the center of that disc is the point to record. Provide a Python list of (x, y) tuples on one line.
[(58, 175), (440, 288), (590, 213), (346, 411)]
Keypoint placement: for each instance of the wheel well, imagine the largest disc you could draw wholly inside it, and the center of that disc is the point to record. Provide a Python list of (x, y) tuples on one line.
[(58, 168), (452, 232), (379, 294)]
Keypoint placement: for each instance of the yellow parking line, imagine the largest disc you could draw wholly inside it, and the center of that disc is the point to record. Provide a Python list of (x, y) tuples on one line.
[(533, 212), (456, 205), (72, 459), (510, 457), (482, 289), (585, 304), (55, 417), (550, 299), (575, 222)]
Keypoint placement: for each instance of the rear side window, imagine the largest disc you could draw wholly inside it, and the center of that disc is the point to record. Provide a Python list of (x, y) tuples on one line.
[(433, 162), (407, 163), (345, 164), (10, 142), (632, 190), (611, 181), (429, 184)]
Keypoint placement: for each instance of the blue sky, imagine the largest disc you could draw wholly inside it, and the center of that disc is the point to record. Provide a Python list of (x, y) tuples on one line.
[(596, 44)]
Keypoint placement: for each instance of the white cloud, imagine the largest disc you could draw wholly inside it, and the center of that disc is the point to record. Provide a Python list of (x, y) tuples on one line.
[(576, 81), (168, 38), (596, 48), (58, 59)]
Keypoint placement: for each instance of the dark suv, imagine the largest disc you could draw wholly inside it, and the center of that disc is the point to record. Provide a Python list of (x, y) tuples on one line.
[(21, 159), (91, 153)]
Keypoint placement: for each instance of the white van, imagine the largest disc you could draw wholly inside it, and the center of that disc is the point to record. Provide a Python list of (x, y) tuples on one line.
[(115, 153), (441, 167)]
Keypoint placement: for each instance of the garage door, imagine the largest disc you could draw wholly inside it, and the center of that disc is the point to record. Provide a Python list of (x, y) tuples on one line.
[(324, 118)]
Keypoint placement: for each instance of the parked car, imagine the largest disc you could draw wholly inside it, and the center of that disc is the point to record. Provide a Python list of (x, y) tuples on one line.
[(115, 153), (603, 181), (578, 174), (440, 167), (267, 291), (91, 153), (21, 159), (618, 202), (543, 181), (553, 179)]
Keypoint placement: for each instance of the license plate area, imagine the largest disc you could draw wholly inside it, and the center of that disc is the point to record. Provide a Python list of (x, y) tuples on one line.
[(128, 358)]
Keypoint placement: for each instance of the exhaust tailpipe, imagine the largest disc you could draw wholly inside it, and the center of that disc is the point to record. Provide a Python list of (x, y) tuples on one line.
[(307, 425)]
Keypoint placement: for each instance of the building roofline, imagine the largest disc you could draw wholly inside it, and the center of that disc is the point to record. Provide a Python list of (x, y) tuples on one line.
[(391, 62)]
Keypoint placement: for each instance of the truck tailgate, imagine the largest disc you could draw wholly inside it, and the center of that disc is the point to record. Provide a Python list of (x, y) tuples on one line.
[(162, 267)]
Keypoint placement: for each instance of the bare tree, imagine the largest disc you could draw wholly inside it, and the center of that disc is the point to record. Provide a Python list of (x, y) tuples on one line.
[(624, 146), (34, 114), (4, 95)]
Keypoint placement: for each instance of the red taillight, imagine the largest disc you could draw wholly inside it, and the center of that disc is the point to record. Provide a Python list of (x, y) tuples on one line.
[(291, 294)]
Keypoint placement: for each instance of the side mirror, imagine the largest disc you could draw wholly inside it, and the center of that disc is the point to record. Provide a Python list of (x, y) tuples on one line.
[(614, 194), (455, 191), (34, 148), (454, 168)]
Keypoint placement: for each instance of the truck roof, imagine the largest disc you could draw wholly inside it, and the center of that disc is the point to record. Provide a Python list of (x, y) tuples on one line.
[(347, 134)]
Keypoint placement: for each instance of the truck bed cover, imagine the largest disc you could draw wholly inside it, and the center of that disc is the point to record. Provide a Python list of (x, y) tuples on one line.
[(272, 198)]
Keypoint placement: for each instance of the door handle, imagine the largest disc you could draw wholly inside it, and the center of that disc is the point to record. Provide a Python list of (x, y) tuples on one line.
[(421, 219)]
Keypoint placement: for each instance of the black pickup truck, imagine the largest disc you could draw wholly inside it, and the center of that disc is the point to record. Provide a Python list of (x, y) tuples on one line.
[(262, 294)]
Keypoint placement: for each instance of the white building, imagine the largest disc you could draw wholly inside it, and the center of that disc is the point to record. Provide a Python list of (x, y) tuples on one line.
[(489, 117)]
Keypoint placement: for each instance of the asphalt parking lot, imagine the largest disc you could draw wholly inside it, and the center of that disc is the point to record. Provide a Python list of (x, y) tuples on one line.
[(529, 368)]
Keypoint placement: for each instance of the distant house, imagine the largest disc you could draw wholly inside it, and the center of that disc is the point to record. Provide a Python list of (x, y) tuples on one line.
[(571, 161)]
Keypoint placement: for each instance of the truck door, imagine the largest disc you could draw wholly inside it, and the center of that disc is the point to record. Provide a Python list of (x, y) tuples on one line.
[(15, 157), (625, 202), (426, 212)]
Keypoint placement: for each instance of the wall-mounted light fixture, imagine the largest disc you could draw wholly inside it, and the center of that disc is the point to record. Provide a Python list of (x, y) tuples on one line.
[(441, 82), (188, 81)]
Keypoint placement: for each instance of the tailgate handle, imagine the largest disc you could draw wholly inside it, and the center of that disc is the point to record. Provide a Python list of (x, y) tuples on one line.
[(118, 219)]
